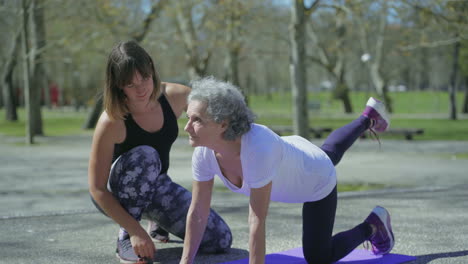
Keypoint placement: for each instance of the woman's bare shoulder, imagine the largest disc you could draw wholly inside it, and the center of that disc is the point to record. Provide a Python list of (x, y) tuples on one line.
[(110, 128), (177, 96)]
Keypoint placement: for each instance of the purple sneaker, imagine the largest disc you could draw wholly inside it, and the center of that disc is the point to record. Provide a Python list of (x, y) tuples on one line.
[(382, 240), (375, 110)]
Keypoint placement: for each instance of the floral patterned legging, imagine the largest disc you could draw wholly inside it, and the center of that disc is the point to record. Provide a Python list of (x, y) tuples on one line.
[(136, 183)]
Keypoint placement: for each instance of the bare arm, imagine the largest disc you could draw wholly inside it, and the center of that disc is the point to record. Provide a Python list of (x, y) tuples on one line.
[(177, 96), (197, 219), (105, 136), (259, 202)]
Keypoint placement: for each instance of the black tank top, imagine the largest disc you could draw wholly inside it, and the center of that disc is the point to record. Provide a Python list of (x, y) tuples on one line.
[(160, 140)]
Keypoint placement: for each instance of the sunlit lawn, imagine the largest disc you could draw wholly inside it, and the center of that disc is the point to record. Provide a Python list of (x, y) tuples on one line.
[(412, 110), (426, 110), (55, 123)]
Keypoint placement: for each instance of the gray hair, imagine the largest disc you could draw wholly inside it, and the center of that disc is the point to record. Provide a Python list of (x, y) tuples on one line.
[(224, 101)]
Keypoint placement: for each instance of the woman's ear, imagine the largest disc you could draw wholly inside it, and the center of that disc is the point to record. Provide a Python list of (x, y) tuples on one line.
[(224, 125)]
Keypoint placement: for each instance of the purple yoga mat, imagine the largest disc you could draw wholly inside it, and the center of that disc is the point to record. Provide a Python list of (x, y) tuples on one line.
[(295, 256)]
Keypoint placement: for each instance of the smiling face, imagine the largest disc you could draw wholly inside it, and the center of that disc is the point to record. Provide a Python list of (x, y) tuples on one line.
[(140, 89), (203, 131)]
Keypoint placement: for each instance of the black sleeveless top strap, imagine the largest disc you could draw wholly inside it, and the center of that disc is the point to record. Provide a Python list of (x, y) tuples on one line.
[(160, 140)]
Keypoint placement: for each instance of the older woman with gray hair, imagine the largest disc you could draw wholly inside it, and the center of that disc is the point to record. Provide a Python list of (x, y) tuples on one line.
[(252, 160)]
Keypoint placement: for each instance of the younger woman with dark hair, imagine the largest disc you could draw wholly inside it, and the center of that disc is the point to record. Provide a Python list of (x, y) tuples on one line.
[(129, 157)]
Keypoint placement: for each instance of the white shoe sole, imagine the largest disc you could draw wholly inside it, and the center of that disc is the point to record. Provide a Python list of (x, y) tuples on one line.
[(380, 108), (123, 261)]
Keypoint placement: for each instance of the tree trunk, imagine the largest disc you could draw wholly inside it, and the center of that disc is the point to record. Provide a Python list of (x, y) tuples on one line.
[(9, 97), (39, 76), (380, 86), (231, 65), (26, 76), (424, 73), (465, 101), (6, 80), (93, 116), (375, 63), (196, 68), (231, 62), (268, 81), (453, 82), (297, 70), (2, 86), (377, 79), (341, 92)]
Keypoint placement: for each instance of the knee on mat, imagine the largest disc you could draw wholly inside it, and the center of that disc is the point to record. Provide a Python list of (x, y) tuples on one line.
[(317, 257), (216, 242), (217, 247)]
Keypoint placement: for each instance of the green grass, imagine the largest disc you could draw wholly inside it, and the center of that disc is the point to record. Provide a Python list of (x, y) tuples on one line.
[(55, 123), (426, 110), (434, 129), (427, 102), (359, 187), (455, 156), (461, 156)]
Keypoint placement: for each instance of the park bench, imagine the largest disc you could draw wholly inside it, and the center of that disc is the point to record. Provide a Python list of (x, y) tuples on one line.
[(316, 131), (407, 132)]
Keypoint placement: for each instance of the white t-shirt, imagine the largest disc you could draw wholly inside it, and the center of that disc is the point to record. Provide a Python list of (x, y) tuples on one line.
[(299, 170)]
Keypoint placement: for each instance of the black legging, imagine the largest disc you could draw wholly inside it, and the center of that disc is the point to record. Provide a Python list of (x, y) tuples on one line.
[(318, 217)]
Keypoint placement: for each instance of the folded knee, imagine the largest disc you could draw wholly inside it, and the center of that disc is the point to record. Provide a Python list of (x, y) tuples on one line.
[(144, 150), (216, 248), (218, 241), (135, 167), (317, 257), (141, 156)]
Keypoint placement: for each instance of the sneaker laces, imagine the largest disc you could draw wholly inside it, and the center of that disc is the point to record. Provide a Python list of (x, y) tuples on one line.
[(372, 245), (160, 238), (373, 134), (369, 246), (125, 244)]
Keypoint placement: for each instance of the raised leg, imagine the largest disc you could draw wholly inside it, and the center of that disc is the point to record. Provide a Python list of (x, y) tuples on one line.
[(342, 138), (374, 117)]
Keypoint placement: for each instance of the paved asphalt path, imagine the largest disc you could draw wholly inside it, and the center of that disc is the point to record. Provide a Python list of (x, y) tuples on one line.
[(46, 215)]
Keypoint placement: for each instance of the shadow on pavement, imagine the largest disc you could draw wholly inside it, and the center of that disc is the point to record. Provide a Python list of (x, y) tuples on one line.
[(423, 259), (172, 255)]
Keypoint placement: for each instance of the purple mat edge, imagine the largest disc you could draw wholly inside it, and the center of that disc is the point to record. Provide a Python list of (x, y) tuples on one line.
[(356, 255)]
